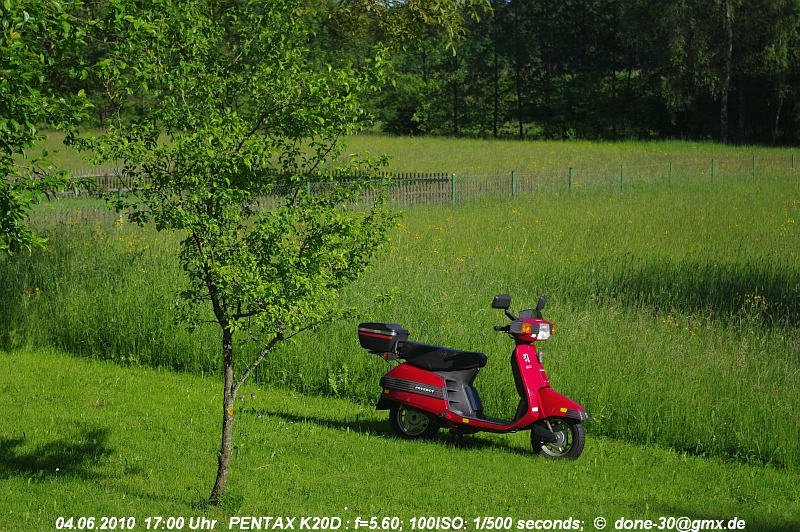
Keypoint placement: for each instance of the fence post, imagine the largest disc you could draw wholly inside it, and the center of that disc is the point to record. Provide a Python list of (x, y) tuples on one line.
[(453, 189), (513, 184), (119, 201), (570, 181), (793, 161), (754, 168), (308, 187), (669, 182), (712, 169), (621, 178)]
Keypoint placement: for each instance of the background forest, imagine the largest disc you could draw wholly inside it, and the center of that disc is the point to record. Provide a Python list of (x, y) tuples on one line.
[(723, 70)]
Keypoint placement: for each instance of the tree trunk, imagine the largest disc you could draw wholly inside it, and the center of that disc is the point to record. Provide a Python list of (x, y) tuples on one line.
[(495, 79), (548, 63), (628, 91), (424, 65), (613, 69), (740, 125), (521, 133), (224, 453), (777, 119), (455, 94), (723, 134), (518, 70), (613, 102)]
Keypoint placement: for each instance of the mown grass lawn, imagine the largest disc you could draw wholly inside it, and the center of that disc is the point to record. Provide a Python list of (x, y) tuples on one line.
[(88, 438)]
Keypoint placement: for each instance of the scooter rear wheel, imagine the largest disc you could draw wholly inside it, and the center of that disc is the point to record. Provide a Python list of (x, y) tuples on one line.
[(412, 424), (571, 438)]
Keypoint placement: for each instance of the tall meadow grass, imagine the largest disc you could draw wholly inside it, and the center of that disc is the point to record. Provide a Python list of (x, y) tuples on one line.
[(102, 290), (677, 314)]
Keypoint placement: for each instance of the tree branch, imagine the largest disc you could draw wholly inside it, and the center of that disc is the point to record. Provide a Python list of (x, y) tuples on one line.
[(327, 152), (256, 362)]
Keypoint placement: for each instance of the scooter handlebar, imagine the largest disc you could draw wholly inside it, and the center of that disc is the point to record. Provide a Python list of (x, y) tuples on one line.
[(503, 328)]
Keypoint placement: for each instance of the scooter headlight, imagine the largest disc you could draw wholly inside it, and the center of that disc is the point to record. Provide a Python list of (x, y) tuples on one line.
[(539, 331), (544, 332)]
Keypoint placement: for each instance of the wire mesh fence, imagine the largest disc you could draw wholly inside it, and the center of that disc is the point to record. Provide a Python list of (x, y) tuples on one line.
[(72, 213), (408, 189)]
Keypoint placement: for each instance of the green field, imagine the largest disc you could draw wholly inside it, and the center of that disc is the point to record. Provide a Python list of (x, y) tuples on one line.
[(473, 157), (676, 303), (92, 439)]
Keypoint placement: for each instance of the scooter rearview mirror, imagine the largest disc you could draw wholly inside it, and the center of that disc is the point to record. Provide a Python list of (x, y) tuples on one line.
[(502, 301), (540, 305)]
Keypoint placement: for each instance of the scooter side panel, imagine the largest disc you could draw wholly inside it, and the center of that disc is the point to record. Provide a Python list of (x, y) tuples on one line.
[(414, 387)]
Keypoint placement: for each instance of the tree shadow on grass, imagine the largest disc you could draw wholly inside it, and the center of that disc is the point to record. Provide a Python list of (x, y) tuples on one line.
[(381, 429), (66, 457)]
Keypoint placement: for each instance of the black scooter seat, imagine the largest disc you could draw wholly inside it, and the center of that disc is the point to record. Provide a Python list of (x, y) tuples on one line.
[(435, 358)]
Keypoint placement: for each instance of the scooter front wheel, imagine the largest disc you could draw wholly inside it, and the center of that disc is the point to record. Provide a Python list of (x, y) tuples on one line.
[(570, 438), (412, 424)]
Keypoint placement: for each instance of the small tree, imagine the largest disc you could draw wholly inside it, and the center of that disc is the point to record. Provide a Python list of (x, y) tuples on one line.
[(241, 117), (35, 36)]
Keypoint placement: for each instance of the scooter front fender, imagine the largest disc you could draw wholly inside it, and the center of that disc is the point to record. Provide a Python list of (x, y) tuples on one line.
[(553, 404)]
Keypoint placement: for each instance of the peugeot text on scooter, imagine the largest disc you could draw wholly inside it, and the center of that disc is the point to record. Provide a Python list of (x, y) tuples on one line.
[(433, 388)]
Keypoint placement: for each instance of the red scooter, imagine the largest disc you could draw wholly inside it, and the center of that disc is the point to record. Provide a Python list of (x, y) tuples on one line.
[(433, 388)]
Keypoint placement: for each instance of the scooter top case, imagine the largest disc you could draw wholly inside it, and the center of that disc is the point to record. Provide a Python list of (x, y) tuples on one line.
[(382, 338)]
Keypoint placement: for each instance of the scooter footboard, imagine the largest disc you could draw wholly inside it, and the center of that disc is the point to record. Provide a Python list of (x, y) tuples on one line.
[(553, 404)]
